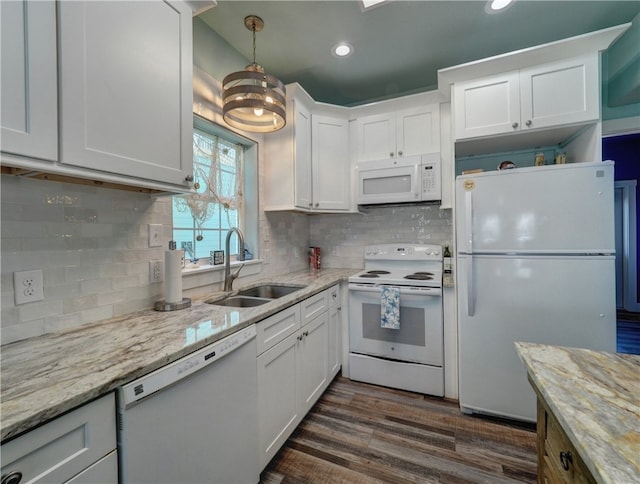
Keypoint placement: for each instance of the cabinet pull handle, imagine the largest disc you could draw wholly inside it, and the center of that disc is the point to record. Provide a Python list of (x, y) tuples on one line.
[(299, 338), (306, 333), (399, 153), (566, 459), (13, 477), (188, 178), (528, 123), (514, 125)]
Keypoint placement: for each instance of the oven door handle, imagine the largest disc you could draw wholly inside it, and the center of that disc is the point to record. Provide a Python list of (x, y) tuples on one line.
[(408, 290)]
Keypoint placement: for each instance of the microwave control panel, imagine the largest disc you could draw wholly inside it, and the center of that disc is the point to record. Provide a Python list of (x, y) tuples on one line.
[(430, 181)]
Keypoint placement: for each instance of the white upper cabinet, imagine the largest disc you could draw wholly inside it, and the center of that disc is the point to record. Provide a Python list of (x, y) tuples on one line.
[(125, 86), (307, 162), (407, 132), (330, 163), (549, 95), (29, 107)]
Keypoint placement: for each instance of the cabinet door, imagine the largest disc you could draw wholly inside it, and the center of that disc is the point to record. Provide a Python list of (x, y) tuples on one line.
[(313, 362), (418, 130), (29, 108), (65, 446), (487, 106), (302, 156), (126, 91), (277, 397), (330, 162), (560, 93), (334, 331), (376, 137)]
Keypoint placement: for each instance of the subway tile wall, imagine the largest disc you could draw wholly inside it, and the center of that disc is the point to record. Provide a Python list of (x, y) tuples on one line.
[(92, 246), (342, 238)]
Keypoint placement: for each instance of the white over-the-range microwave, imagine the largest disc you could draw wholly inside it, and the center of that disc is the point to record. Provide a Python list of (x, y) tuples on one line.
[(399, 180)]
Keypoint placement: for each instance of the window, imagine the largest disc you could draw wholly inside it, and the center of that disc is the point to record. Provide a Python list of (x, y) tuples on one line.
[(201, 220)]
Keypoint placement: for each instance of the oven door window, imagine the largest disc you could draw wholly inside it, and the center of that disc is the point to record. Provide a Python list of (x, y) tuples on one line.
[(419, 338)]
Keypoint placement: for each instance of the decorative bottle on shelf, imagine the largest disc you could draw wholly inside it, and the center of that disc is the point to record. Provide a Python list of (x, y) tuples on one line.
[(447, 273)]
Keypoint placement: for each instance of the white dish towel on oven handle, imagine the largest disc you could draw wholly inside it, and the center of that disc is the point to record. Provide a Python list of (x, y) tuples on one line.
[(390, 307)]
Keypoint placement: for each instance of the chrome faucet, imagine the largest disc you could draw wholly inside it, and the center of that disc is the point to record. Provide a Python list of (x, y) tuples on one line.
[(228, 277)]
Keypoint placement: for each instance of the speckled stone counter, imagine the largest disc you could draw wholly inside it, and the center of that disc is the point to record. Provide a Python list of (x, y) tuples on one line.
[(595, 397), (46, 376)]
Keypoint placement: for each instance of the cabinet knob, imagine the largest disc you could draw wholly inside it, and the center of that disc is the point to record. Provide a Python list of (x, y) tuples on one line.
[(391, 154), (188, 178), (399, 153), (528, 123), (566, 460), (12, 478), (317, 204), (514, 125)]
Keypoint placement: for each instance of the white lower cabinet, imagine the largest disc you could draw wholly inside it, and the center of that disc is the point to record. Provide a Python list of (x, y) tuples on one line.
[(293, 368), (78, 447)]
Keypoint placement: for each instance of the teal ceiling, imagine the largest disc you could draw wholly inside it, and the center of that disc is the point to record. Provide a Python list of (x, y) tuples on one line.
[(399, 46)]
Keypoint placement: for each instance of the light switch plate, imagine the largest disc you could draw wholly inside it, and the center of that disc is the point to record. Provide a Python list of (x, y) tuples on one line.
[(28, 286), (155, 235)]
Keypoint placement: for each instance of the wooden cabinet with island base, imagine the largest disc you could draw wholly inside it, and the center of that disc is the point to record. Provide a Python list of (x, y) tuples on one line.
[(558, 460), (588, 413)]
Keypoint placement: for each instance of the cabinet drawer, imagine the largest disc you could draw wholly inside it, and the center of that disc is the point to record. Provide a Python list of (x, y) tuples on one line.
[(62, 448), (555, 443), (277, 327), (312, 307)]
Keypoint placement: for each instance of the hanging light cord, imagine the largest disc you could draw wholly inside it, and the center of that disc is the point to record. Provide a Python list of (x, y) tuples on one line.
[(253, 29)]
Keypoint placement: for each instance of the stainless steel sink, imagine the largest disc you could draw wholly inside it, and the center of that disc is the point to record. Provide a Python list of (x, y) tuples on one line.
[(270, 291), (239, 301)]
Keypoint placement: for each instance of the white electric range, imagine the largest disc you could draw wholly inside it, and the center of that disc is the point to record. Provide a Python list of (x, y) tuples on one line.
[(410, 357)]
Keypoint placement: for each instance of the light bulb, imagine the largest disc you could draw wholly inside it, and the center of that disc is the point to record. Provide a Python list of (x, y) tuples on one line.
[(269, 99), (258, 111)]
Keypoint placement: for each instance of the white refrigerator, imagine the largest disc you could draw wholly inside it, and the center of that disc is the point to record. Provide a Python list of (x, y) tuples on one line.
[(536, 263)]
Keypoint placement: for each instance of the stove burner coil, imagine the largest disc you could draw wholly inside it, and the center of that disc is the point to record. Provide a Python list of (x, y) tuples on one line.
[(378, 272), (420, 276), (368, 275)]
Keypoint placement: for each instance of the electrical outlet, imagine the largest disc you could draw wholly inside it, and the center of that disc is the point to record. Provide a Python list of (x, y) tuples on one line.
[(156, 271), (27, 286), (155, 235)]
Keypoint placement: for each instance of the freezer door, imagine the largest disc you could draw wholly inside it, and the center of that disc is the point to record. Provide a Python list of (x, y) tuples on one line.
[(548, 209), (546, 300)]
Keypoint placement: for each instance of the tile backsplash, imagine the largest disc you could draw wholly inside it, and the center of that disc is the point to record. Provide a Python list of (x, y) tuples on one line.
[(342, 238), (92, 246)]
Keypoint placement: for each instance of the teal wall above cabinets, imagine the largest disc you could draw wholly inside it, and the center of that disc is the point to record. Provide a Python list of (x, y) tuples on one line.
[(621, 75)]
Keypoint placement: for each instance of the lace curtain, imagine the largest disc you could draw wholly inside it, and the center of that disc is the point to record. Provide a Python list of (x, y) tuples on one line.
[(218, 176)]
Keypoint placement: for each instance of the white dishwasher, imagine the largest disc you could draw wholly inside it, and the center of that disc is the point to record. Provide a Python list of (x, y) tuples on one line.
[(194, 420)]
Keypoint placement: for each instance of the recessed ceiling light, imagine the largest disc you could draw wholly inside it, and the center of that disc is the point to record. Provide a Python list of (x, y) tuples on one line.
[(494, 6), (342, 49)]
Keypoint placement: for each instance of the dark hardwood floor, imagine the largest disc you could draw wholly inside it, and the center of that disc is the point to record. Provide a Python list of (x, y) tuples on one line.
[(360, 433)]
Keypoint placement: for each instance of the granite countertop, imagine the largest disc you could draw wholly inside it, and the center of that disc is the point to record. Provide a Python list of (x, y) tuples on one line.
[(46, 376), (596, 398)]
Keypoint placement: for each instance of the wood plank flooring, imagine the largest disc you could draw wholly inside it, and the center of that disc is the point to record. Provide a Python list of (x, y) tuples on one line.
[(360, 433)]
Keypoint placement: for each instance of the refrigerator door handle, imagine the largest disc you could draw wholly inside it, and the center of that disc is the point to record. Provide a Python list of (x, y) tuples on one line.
[(471, 307), (468, 215)]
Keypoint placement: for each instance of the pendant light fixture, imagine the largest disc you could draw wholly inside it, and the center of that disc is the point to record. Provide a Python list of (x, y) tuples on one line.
[(252, 99)]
